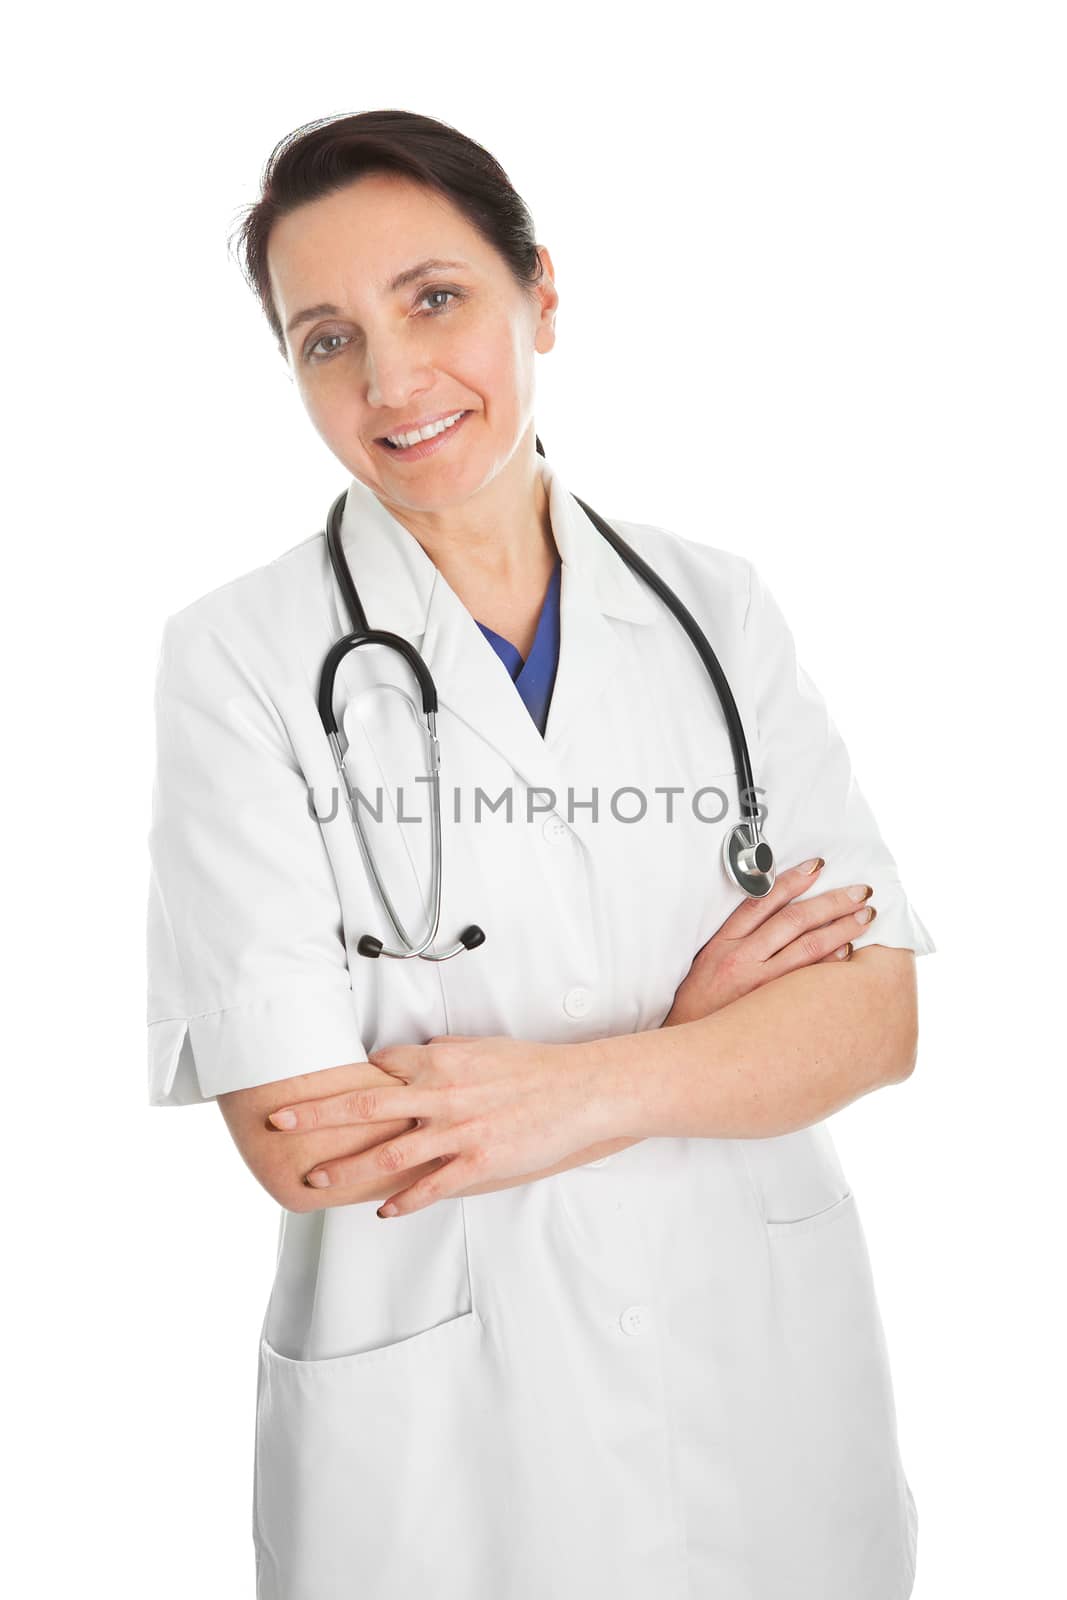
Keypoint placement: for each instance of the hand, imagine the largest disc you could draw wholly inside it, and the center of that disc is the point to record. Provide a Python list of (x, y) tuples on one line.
[(762, 939), (487, 1108)]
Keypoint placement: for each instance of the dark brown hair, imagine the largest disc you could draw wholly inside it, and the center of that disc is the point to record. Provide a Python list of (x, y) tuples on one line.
[(323, 156)]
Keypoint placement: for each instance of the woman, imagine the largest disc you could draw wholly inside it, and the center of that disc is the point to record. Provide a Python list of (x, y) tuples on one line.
[(621, 1338)]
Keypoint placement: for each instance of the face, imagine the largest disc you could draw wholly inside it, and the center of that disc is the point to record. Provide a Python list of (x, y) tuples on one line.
[(373, 359)]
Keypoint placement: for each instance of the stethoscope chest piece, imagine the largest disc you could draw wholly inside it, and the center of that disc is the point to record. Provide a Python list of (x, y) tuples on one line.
[(749, 860)]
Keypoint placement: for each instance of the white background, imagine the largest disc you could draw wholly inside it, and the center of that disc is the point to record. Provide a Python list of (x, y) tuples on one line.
[(811, 265)]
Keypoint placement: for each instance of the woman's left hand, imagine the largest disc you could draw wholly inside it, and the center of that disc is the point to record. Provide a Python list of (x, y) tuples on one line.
[(488, 1108)]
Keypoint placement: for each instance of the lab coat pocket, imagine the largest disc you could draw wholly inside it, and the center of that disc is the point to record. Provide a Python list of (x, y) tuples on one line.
[(837, 1423), (360, 1481), (796, 1176), (351, 1284), (818, 1219)]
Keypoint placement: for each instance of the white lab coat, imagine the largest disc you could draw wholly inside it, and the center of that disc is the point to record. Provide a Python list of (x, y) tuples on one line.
[(662, 1374)]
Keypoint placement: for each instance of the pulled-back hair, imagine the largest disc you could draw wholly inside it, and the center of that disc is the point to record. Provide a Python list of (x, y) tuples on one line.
[(323, 156)]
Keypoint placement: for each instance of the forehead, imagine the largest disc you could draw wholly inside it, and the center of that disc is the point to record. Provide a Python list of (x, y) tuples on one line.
[(355, 240)]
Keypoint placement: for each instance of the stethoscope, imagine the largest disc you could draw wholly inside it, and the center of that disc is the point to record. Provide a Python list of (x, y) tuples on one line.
[(748, 858)]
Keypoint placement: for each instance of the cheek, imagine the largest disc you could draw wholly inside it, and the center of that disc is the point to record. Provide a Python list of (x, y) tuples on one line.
[(488, 362), (334, 412)]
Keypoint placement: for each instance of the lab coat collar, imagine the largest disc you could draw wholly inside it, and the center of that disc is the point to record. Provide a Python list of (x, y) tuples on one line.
[(396, 578), (403, 592)]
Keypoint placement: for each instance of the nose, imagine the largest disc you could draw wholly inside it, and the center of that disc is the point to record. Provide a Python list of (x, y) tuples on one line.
[(396, 373)]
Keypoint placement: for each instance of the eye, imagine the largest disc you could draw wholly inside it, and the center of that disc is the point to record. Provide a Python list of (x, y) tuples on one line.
[(323, 340), (435, 311), (426, 294)]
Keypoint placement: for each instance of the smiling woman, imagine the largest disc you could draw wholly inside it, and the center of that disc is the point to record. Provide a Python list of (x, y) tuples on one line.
[(620, 1336), (398, 353)]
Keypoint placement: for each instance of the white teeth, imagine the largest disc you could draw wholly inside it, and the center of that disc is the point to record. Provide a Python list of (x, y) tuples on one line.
[(429, 432)]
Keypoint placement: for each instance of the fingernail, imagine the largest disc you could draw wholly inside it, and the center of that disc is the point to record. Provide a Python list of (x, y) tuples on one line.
[(283, 1119), (868, 914), (859, 891), (844, 952), (811, 866), (387, 1211), (318, 1180)]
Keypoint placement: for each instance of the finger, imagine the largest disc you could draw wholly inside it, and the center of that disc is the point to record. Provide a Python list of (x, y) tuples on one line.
[(354, 1106), (386, 1160), (398, 1059), (748, 916), (799, 917), (817, 945), (846, 926), (449, 1180)]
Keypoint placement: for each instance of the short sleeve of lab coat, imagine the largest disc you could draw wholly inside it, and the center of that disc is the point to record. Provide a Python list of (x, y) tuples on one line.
[(814, 806), (248, 979)]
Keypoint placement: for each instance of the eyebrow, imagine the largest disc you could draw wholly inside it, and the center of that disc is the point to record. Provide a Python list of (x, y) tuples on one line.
[(422, 269)]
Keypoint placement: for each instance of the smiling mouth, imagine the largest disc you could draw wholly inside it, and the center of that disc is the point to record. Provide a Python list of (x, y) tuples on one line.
[(424, 447)]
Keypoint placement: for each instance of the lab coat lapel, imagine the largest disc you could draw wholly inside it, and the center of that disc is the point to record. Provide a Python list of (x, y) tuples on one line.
[(402, 591)]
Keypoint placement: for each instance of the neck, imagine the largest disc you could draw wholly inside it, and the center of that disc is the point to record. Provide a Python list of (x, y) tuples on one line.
[(496, 551)]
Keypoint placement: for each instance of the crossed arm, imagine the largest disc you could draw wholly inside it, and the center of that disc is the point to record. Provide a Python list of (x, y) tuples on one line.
[(780, 1057)]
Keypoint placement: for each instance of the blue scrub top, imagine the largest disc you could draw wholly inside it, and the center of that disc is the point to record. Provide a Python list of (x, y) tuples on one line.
[(535, 677)]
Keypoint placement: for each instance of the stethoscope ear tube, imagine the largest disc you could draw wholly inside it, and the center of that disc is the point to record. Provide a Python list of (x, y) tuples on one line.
[(747, 857), (340, 566), (353, 641), (469, 939), (361, 634), (368, 945), (738, 742)]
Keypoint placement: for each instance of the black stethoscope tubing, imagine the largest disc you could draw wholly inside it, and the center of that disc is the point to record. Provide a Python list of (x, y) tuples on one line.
[(756, 871)]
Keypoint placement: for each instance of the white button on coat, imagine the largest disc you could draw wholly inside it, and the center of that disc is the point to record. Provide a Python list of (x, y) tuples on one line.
[(576, 1002), (445, 1403), (635, 1320)]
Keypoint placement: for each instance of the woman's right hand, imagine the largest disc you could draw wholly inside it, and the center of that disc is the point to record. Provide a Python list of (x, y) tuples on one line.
[(762, 939)]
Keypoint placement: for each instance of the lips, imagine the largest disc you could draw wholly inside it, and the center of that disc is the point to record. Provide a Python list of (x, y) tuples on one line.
[(416, 427), (425, 447)]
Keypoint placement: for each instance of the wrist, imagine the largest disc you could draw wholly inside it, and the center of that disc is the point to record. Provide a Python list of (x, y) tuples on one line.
[(614, 1072), (678, 1014)]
